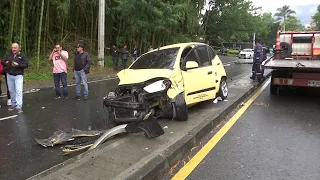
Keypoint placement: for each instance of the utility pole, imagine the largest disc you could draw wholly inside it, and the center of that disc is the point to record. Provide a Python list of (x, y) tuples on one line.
[(101, 25), (254, 40)]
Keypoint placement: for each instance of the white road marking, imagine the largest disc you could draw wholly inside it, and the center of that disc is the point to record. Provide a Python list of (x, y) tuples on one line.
[(9, 117), (36, 90)]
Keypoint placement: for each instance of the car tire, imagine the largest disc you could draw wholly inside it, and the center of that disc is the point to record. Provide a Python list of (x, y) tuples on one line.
[(223, 89), (180, 108)]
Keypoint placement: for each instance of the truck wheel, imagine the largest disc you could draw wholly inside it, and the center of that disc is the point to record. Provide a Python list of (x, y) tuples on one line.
[(223, 89), (181, 109), (273, 89)]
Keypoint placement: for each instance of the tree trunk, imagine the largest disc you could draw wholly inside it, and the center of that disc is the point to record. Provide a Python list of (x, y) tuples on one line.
[(39, 34), (12, 18), (21, 24)]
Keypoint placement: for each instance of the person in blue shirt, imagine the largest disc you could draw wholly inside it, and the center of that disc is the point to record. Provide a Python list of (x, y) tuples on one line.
[(257, 60)]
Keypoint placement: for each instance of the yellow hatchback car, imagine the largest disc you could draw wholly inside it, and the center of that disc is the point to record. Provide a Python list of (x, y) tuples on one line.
[(165, 81)]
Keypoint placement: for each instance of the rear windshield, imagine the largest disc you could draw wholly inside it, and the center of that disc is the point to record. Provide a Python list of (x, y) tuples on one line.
[(161, 59)]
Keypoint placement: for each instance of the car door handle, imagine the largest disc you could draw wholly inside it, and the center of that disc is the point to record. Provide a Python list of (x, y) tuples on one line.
[(210, 72)]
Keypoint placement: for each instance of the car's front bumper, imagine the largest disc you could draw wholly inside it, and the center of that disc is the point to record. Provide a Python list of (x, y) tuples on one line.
[(124, 110), (244, 55)]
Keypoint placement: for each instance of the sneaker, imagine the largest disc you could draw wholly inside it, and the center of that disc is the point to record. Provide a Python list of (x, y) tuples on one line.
[(19, 110), (58, 97), (9, 102), (77, 98), (86, 98)]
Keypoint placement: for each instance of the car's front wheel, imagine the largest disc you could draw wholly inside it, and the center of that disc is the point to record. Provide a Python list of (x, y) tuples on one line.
[(223, 90), (181, 108)]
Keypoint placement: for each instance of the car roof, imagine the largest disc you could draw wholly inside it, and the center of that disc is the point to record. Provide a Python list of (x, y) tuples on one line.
[(179, 45)]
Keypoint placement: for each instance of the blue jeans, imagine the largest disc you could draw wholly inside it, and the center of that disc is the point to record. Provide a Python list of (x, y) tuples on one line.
[(81, 77), (63, 78), (15, 84)]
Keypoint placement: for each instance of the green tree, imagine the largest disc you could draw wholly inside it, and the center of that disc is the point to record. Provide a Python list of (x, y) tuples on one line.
[(316, 19), (293, 24), (283, 13)]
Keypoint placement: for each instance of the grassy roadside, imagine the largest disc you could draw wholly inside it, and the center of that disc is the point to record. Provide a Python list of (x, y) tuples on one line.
[(44, 73)]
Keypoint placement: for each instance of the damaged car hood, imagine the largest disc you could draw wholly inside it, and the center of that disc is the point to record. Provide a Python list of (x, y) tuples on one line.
[(133, 76)]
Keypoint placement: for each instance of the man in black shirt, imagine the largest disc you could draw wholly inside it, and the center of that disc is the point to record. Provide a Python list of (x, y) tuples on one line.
[(15, 63), (81, 69), (115, 57)]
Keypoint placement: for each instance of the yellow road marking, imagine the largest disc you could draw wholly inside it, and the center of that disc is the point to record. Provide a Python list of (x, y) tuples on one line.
[(194, 162)]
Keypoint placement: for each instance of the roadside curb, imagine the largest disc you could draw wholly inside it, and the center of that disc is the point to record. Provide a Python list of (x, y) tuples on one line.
[(153, 167)]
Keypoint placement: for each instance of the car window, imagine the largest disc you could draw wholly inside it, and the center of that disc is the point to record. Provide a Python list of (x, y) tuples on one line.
[(191, 56), (161, 59), (211, 52), (203, 56)]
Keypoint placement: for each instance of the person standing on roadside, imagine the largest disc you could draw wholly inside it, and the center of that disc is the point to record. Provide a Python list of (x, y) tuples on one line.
[(81, 69), (115, 57), (135, 54), (1, 69), (257, 60), (3, 72), (124, 56), (15, 63), (59, 58)]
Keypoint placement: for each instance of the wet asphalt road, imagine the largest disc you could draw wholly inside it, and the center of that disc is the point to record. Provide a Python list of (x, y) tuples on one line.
[(278, 137), (21, 157)]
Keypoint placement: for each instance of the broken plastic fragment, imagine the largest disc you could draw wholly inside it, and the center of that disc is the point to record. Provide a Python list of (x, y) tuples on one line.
[(166, 127)]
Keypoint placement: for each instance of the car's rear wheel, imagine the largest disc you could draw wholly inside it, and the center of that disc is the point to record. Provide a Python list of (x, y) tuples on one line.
[(223, 90)]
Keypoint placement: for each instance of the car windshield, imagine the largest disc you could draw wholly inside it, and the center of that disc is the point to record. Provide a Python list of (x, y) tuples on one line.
[(161, 59)]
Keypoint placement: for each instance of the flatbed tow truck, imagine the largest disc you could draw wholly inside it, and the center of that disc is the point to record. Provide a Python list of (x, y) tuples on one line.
[(296, 61)]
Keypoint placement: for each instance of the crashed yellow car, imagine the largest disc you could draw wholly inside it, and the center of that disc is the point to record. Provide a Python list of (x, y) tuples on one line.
[(165, 81)]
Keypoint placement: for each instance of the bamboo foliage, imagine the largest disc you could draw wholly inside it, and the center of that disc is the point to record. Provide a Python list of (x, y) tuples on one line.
[(37, 24)]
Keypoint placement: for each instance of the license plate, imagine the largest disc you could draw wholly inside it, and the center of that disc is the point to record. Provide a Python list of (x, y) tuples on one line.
[(314, 83)]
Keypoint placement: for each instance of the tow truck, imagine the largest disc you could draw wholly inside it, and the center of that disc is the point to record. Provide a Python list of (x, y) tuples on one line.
[(296, 61)]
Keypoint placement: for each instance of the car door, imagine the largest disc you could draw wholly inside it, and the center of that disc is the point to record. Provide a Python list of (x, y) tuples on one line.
[(198, 82), (217, 67)]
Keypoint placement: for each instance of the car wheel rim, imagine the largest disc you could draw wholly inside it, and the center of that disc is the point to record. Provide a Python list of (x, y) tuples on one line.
[(224, 88)]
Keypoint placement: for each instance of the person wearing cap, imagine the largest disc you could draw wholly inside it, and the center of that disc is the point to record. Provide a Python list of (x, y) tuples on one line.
[(81, 69)]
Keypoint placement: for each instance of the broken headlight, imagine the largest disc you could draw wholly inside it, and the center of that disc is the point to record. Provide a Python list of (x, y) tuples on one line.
[(158, 86)]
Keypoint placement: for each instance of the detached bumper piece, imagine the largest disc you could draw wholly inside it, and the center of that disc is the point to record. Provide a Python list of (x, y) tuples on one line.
[(61, 137), (151, 128)]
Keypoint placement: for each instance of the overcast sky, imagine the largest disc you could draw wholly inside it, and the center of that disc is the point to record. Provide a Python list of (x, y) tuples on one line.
[(304, 8)]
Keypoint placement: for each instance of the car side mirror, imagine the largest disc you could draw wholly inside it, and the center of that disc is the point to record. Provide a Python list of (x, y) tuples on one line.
[(191, 65)]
